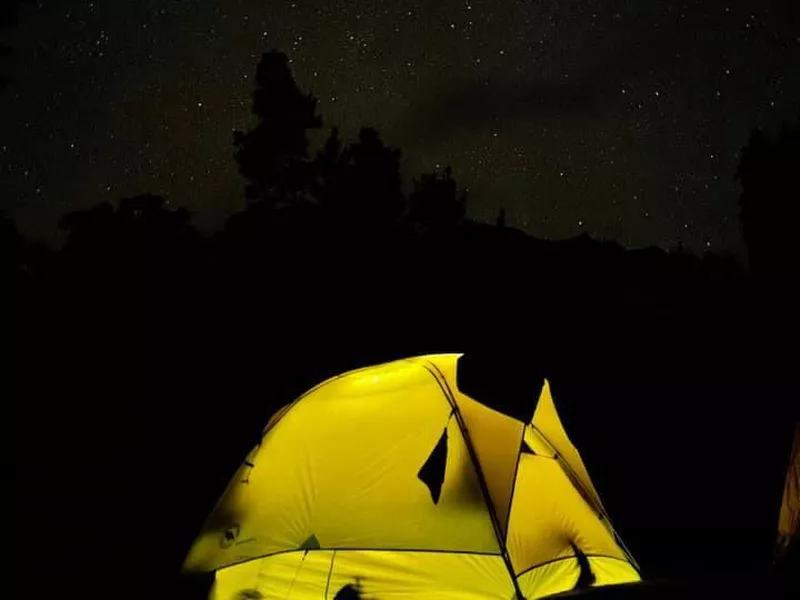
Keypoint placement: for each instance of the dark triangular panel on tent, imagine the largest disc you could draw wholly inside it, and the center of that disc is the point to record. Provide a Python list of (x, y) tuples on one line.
[(510, 384), (526, 449), (311, 543), (432, 472)]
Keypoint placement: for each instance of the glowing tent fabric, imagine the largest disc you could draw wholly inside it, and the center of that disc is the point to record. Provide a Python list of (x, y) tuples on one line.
[(789, 519), (388, 482)]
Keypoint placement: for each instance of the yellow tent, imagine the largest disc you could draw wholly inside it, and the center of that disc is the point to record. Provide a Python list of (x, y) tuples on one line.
[(388, 482)]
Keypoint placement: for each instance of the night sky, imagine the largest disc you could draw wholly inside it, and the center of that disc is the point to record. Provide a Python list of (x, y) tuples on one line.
[(619, 118)]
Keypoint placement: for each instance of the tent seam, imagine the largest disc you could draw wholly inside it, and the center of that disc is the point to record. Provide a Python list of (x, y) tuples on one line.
[(560, 558), (441, 380), (321, 549), (598, 505), (514, 483)]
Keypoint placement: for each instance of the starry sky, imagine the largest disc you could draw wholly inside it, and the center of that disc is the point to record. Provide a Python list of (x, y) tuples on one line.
[(617, 118)]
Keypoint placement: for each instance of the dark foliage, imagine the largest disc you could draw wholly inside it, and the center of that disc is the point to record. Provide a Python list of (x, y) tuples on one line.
[(358, 188)]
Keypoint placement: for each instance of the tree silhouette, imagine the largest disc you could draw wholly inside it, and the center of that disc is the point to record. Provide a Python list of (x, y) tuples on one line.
[(8, 12), (10, 245), (273, 156), (141, 241), (8, 19), (500, 221), (436, 205), (140, 220), (328, 167), (770, 201), (359, 189)]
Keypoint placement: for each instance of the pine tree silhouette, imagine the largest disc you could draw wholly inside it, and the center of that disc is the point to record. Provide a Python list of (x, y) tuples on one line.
[(273, 156)]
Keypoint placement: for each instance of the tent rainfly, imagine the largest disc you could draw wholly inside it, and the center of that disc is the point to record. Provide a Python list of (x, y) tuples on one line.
[(788, 541), (390, 483)]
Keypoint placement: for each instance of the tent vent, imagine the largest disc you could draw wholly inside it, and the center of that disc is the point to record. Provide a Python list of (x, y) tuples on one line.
[(312, 543), (432, 472)]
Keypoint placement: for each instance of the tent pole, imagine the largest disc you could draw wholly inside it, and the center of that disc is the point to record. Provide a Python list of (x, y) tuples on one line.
[(440, 379), (488, 500)]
